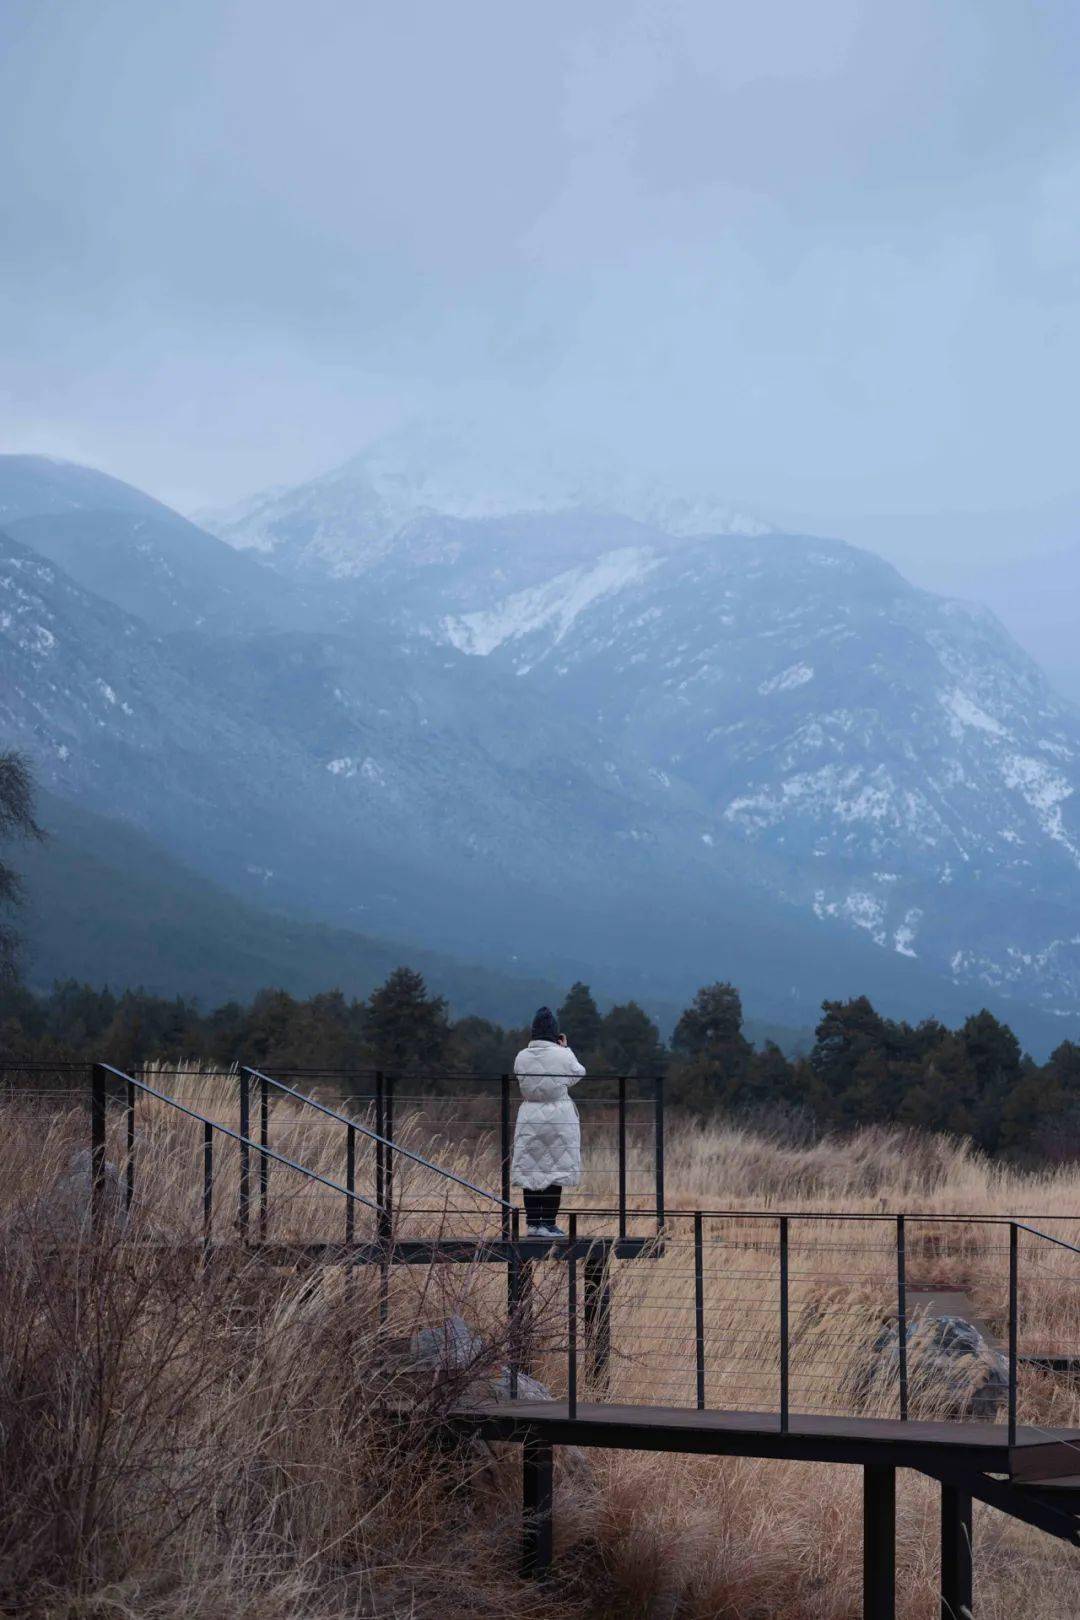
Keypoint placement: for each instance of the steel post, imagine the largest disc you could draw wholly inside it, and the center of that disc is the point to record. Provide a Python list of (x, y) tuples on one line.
[(956, 1554), (901, 1313), (380, 1154), (350, 1182), (264, 1162), (1014, 1325), (504, 1152), (658, 1121), (699, 1308), (208, 1186), (785, 1331), (244, 1205), (98, 1104), (622, 1155), (513, 1304), (879, 1542), (597, 1320), (388, 1120), (129, 1167), (537, 1481), (571, 1318)]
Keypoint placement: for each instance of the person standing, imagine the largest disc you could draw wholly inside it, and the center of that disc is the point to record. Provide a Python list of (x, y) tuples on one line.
[(547, 1135)]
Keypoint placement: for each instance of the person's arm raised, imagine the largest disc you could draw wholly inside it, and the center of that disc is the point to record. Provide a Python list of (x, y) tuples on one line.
[(574, 1070)]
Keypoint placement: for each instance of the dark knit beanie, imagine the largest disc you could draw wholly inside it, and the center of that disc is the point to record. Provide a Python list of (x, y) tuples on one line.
[(545, 1026)]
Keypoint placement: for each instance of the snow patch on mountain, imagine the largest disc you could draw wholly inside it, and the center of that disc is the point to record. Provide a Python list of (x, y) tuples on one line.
[(368, 769), (551, 607), (1045, 790), (966, 712), (788, 679)]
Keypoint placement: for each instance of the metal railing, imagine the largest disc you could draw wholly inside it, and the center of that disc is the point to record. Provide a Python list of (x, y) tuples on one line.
[(385, 1149), (104, 1077), (749, 1308), (389, 1091)]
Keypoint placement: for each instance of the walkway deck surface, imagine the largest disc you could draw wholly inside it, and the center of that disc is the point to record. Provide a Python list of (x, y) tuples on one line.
[(1038, 1454)]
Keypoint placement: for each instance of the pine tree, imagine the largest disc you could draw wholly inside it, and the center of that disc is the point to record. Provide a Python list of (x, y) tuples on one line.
[(630, 1042), (713, 1057), (579, 1020), (406, 1028)]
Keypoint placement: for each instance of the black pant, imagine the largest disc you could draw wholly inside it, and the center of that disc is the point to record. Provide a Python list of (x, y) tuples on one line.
[(542, 1208)]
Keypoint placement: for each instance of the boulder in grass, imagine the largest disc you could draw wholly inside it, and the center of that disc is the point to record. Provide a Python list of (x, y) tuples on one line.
[(447, 1348), (65, 1209), (454, 1347), (952, 1367)]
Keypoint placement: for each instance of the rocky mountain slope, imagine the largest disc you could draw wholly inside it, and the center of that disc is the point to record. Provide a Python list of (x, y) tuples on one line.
[(566, 740), (889, 758)]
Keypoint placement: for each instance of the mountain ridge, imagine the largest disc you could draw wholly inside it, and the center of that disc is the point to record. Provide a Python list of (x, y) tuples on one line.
[(655, 742)]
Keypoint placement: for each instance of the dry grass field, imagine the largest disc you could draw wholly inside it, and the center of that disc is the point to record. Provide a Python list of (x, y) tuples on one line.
[(209, 1441)]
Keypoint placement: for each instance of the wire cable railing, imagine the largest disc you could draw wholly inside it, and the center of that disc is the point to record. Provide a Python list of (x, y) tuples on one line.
[(385, 1147), (99, 1095)]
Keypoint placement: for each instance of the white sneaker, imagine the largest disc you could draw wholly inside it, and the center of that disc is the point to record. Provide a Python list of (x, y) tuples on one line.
[(536, 1231)]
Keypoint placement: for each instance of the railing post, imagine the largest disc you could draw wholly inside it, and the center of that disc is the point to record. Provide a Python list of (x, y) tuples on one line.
[(622, 1155), (380, 1157), (244, 1208), (504, 1152), (388, 1120), (98, 1104), (598, 1318), (699, 1308), (901, 1313), (129, 1167), (785, 1332), (513, 1302), (208, 1185), (571, 1317), (658, 1116), (264, 1162), (1014, 1327), (350, 1181)]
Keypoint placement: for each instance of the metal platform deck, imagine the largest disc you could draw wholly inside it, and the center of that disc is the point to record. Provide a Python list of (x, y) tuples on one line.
[(1034, 1456), (1028, 1474)]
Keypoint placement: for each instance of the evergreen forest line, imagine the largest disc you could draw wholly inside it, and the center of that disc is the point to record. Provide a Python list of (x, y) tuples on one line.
[(863, 1068)]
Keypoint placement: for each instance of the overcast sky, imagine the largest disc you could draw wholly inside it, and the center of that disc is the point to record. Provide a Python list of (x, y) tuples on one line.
[(820, 258)]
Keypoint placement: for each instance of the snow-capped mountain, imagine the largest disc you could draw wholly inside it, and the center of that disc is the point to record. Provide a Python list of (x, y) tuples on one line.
[(891, 757), (906, 763), (349, 519), (568, 736)]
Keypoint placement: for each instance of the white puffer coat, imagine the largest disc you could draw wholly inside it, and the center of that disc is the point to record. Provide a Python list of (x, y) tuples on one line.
[(547, 1136)]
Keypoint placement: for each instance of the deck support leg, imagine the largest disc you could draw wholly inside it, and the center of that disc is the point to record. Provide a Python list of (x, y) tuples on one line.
[(537, 1492), (597, 1321), (879, 1542), (956, 1553), (526, 1306)]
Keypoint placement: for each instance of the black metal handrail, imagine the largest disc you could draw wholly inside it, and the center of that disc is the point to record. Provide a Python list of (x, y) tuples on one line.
[(782, 1220), (98, 1106), (385, 1146), (386, 1094)]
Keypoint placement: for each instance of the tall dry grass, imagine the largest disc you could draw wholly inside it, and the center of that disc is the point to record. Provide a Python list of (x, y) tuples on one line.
[(211, 1441)]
